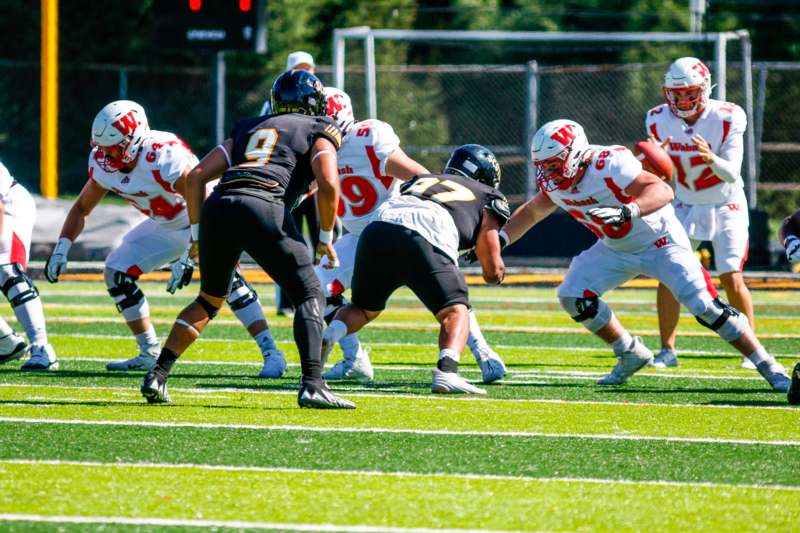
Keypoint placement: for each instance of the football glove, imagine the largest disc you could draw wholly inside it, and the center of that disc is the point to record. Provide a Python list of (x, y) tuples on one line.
[(616, 216), (471, 256), (182, 271), (57, 262), (792, 245)]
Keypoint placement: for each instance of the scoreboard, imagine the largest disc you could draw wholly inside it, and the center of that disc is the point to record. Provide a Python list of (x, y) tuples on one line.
[(211, 24)]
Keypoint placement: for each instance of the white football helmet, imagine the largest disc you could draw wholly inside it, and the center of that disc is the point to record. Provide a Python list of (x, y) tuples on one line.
[(340, 108), (687, 76), (557, 151), (122, 123)]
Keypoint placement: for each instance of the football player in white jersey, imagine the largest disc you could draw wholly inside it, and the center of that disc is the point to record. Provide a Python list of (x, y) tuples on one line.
[(148, 168), (372, 167), (17, 217), (605, 189), (704, 138)]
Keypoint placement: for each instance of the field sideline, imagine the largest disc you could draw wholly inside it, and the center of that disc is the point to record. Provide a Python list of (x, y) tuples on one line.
[(703, 447)]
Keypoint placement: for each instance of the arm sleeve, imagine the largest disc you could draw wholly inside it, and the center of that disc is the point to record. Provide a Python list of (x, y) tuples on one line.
[(628, 168), (172, 162), (727, 163)]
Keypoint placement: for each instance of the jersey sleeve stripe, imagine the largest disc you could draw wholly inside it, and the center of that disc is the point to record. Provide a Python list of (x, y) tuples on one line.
[(375, 163), (654, 131), (726, 129)]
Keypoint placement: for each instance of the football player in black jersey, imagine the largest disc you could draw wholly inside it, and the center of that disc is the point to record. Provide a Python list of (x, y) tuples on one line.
[(790, 237), (266, 166), (415, 241)]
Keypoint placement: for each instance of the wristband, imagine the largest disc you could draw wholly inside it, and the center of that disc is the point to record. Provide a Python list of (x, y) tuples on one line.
[(634, 209), (62, 246), (503, 238), (325, 237), (195, 232)]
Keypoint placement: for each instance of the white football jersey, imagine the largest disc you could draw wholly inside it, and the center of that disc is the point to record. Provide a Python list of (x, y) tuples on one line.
[(362, 166), (5, 180), (612, 169), (719, 124), (150, 186)]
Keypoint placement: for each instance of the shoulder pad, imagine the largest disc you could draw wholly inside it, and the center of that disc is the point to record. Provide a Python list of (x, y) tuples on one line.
[(499, 206)]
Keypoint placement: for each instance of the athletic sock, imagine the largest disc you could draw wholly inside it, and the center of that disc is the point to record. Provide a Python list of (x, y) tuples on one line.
[(165, 362), (622, 343), (338, 329), (448, 360), (759, 356), (476, 342), (148, 341), (350, 346), (265, 341), (31, 315)]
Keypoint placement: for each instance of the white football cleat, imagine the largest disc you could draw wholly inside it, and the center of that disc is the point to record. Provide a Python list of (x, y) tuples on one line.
[(492, 367), (143, 361), (274, 364), (631, 360), (666, 358), (12, 347), (775, 374), (43, 358), (747, 363), (452, 383), (359, 368)]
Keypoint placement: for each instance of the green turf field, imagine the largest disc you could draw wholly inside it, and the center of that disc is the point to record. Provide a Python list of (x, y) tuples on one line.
[(703, 447)]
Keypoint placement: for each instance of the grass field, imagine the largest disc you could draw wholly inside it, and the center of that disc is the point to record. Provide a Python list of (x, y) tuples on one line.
[(703, 447)]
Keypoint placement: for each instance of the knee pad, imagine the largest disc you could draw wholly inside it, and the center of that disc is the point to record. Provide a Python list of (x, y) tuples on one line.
[(725, 319), (332, 306), (242, 293), (590, 311), (17, 285), (127, 295), (210, 310)]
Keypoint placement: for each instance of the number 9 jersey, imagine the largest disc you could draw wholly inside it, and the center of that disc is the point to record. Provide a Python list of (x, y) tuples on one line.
[(362, 167)]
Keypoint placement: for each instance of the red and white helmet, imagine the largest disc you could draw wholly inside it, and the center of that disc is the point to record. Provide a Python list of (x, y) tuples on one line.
[(120, 124), (689, 78), (557, 150), (340, 108)]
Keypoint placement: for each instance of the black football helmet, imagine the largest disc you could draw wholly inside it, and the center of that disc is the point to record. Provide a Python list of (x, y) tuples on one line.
[(476, 162), (298, 91)]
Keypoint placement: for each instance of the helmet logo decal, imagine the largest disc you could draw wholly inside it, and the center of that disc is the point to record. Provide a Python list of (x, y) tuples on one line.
[(565, 135), (126, 124), (334, 104), (701, 69)]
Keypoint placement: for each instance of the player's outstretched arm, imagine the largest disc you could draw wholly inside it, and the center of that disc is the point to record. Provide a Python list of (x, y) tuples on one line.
[(790, 236), (323, 164), (488, 248), (400, 166), (650, 192), (528, 215), (90, 196)]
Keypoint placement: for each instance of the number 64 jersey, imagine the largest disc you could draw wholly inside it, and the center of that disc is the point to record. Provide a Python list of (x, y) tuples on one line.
[(150, 186), (611, 170)]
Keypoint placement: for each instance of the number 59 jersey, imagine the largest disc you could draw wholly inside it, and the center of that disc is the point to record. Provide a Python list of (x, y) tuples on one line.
[(150, 186), (722, 125), (362, 166), (611, 170)]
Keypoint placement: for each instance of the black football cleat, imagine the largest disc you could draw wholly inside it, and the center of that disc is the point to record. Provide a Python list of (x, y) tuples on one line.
[(315, 394), (794, 389), (154, 389)]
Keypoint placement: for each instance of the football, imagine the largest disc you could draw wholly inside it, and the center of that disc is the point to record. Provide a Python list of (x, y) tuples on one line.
[(654, 159)]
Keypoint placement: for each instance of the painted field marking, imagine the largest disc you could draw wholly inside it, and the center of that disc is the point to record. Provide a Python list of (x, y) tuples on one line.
[(402, 474), (431, 432)]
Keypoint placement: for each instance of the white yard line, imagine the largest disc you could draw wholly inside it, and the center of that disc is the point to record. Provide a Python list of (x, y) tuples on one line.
[(400, 474), (376, 392), (431, 432), (423, 326), (235, 524)]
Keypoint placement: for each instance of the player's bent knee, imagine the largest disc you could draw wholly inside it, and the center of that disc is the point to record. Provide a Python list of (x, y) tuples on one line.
[(242, 293), (17, 285), (210, 309), (728, 322), (127, 295), (592, 312)]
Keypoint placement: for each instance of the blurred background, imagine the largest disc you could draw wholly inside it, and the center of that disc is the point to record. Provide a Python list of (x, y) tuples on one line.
[(436, 94)]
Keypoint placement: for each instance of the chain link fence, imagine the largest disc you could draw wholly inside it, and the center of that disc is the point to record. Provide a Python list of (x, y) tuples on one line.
[(433, 108)]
